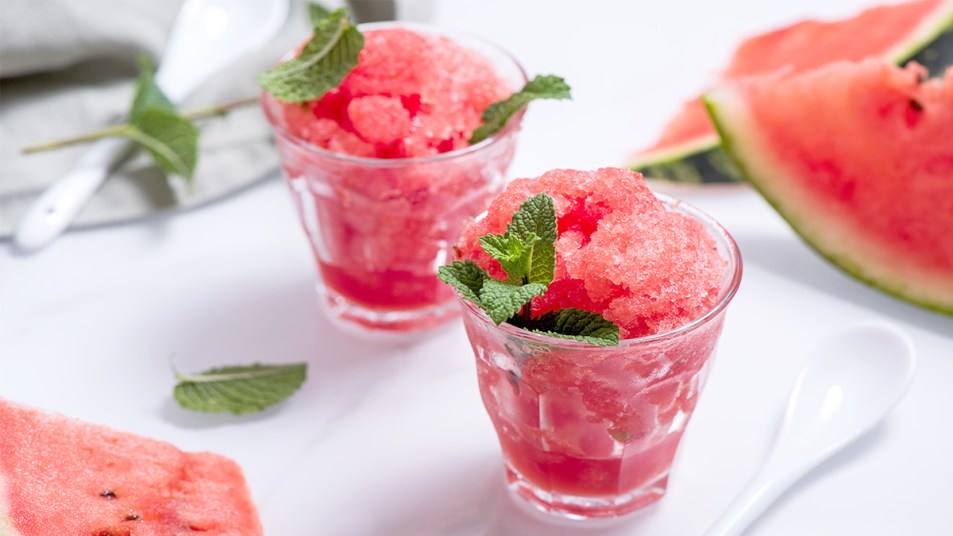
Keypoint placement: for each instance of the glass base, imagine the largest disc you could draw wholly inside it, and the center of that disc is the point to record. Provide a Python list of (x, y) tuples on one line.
[(576, 508), (386, 324)]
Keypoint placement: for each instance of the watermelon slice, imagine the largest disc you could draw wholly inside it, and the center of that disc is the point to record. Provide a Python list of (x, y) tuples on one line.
[(858, 158), (922, 31), (65, 477)]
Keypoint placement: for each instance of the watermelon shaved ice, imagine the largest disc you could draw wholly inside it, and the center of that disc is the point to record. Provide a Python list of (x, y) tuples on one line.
[(590, 431), (383, 178), (619, 251), (66, 477), (411, 95)]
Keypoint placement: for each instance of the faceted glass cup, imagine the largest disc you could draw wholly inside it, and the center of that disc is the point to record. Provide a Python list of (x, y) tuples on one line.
[(380, 228), (587, 431)]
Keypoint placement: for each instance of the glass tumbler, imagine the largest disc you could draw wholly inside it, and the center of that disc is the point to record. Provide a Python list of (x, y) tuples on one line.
[(588, 431), (379, 228)]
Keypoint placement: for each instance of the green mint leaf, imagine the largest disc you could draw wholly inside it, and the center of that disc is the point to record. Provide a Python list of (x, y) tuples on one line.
[(171, 139), (515, 255), (501, 300), (575, 324), (239, 389), (317, 13), (156, 126), (466, 277), (148, 96), (536, 217), (323, 62), (497, 114)]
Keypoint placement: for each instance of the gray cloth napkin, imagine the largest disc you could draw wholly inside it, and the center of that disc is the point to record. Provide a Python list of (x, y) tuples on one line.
[(68, 67)]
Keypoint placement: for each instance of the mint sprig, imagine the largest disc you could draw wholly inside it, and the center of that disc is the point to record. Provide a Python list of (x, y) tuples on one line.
[(317, 13), (527, 254), (497, 114), (323, 62), (156, 125), (239, 389)]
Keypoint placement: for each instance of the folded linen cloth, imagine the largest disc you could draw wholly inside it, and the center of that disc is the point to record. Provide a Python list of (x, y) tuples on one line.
[(68, 67)]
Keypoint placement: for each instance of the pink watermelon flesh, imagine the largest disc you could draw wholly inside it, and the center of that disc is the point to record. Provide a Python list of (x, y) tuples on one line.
[(411, 95), (65, 477), (802, 46), (858, 157), (619, 252)]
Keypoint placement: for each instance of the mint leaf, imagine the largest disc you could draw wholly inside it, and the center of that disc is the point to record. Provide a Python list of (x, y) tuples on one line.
[(576, 324), (466, 277), (322, 64), (497, 114), (239, 389), (317, 13), (171, 139), (501, 300), (155, 125), (536, 217), (148, 96), (515, 255)]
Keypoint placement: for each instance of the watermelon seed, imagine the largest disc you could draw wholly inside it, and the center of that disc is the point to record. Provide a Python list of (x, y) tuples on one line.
[(108, 494), (132, 516), (916, 106)]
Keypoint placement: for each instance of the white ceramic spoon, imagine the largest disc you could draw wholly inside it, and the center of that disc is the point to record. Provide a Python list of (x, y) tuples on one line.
[(207, 35), (852, 380)]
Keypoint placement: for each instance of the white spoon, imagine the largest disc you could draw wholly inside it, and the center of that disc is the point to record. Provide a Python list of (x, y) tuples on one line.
[(852, 380), (207, 35)]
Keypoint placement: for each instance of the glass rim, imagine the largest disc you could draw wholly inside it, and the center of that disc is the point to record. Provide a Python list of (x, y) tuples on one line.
[(727, 292), (511, 125)]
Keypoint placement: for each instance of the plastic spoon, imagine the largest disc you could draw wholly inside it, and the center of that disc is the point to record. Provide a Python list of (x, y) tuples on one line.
[(207, 35), (852, 380)]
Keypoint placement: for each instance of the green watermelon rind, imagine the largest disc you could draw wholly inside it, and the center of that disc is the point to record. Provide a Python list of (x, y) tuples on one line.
[(701, 161), (719, 104)]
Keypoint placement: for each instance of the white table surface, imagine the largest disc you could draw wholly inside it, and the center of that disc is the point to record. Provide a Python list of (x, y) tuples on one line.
[(394, 440)]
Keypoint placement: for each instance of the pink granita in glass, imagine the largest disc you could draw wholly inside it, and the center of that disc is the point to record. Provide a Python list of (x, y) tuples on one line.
[(591, 431), (382, 174)]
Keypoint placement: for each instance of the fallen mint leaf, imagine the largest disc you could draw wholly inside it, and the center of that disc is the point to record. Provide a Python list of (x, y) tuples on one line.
[(497, 114), (323, 62), (239, 389)]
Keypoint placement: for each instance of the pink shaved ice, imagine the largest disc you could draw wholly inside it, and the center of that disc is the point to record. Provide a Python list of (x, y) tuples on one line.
[(619, 252), (411, 95)]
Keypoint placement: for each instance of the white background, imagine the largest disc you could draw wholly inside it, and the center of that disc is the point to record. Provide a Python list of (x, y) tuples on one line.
[(394, 440)]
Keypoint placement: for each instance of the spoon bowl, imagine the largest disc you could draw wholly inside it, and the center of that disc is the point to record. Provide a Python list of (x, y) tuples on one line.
[(852, 380)]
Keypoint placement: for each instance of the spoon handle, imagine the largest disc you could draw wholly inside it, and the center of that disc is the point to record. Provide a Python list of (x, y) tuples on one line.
[(59, 204), (754, 499)]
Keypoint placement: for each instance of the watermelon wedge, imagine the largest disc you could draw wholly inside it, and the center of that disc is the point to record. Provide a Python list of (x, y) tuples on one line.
[(59, 476), (858, 158), (922, 31)]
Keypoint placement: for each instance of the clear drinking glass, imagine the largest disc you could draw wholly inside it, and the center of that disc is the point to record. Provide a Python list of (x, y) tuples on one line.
[(379, 228), (588, 431)]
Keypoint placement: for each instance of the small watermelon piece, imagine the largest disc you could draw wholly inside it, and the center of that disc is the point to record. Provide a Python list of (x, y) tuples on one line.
[(66, 477), (688, 149), (858, 158)]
